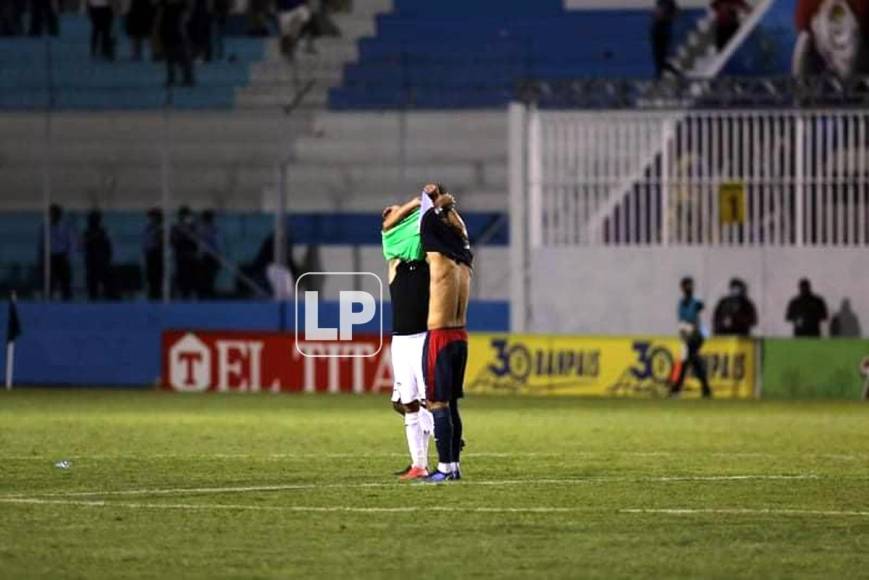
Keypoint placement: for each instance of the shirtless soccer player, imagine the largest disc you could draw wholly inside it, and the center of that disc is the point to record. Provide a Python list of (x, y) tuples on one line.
[(408, 289), (445, 241)]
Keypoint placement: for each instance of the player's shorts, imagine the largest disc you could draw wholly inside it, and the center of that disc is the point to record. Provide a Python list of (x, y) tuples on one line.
[(409, 383), (444, 360)]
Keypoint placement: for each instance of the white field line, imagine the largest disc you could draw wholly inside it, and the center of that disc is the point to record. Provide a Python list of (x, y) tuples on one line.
[(482, 455), (181, 491), (451, 509)]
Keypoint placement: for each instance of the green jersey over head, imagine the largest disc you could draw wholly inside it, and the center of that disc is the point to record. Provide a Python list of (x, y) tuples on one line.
[(402, 242)]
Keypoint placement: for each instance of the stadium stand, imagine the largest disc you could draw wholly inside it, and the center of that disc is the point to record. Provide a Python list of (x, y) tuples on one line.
[(458, 55)]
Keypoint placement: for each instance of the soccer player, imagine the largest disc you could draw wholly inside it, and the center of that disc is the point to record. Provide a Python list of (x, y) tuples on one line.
[(688, 313), (445, 241), (409, 291)]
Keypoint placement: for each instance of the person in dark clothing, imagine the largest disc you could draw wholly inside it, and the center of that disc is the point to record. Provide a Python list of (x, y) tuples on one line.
[(97, 258), (221, 16), (806, 311), (43, 15), (186, 251), (662, 35), (62, 243), (10, 17), (209, 247), (199, 29), (735, 314), (688, 313), (139, 24), (727, 19), (173, 36), (102, 17), (152, 248)]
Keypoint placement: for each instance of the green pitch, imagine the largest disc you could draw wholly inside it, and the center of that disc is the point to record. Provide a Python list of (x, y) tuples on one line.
[(168, 486)]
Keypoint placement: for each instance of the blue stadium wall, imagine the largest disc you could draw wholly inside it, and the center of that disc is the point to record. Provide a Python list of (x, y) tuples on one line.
[(119, 344)]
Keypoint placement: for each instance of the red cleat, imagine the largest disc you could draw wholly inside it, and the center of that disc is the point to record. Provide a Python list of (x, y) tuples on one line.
[(414, 473)]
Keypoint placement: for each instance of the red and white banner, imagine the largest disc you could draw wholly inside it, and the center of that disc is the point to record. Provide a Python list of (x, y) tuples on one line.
[(260, 361)]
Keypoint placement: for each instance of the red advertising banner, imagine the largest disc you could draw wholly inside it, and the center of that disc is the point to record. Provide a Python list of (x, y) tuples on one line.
[(270, 362)]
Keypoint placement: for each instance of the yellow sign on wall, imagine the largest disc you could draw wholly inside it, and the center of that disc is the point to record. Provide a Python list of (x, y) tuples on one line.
[(731, 203), (603, 366)]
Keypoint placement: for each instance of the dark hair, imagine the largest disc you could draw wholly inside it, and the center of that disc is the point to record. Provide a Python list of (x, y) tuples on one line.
[(686, 280)]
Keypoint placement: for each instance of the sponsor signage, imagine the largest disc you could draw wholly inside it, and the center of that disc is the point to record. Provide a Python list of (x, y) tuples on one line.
[(603, 366), (196, 362)]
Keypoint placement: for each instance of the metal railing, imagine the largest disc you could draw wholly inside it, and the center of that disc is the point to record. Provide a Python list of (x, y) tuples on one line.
[(741, 178)]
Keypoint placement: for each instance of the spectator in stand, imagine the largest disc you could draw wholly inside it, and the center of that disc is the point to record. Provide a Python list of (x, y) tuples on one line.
[(293, 15), (199, 29), (662, 35), (209, 249), (186, 250), (257, 11), (221, 16), (62, 243), (727, 19), (320, 24), (174, 15), (806, 311), (735, 314), (11, 12), (102, 17), (97, 258), (43, 16), (152, 248), (139, 24)]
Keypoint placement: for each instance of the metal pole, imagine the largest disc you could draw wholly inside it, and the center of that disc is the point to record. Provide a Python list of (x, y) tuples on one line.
[(280, 249), (46, 171)]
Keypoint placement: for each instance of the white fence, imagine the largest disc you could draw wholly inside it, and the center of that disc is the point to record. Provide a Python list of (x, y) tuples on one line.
[(712, 178)]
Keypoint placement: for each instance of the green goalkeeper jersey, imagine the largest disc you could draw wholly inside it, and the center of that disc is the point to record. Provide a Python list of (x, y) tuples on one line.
[(402, 242)]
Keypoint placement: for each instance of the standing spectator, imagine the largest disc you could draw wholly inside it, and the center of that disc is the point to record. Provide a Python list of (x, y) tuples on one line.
[(185, 248), (735, 314), (139, 24), (62, 242), (152, 248), (43, 15), (256, 16), (174, 15), (10, 17), (727, 17), (209, 248), (806, 311), (844, 323), (221, 16), (199, 29), (293, 15), (102, 17), (662, 35), (688, 312), (97, 258)]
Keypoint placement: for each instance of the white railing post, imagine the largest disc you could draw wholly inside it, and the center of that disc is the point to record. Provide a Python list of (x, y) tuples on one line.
[(535, 178), (799, 174), (518, 163)]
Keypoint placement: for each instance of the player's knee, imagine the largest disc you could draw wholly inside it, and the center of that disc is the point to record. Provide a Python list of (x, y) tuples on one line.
[(412, 407), (398, 407)]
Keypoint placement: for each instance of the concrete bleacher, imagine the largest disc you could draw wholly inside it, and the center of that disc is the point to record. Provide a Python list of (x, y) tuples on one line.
[(60, 72), (454, 54)]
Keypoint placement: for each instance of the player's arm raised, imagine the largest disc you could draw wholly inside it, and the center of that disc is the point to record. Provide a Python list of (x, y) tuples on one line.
[(393, 214)]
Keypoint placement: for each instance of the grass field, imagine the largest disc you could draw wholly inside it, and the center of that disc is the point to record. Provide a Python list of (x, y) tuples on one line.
[(168, 486)]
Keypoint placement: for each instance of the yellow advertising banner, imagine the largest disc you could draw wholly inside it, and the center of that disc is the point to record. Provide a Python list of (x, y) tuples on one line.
[(604, 366)]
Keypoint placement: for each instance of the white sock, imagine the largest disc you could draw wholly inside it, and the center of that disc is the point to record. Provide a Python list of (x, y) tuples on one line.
[(426, 422), (454, 466), (413, 431), (445, 467)]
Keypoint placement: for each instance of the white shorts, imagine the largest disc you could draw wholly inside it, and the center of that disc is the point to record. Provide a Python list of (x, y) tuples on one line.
[(409, 382)]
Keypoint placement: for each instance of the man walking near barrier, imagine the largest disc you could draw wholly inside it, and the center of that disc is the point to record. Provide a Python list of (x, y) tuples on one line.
[(409, 291), (445, 241), (688, 312)]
